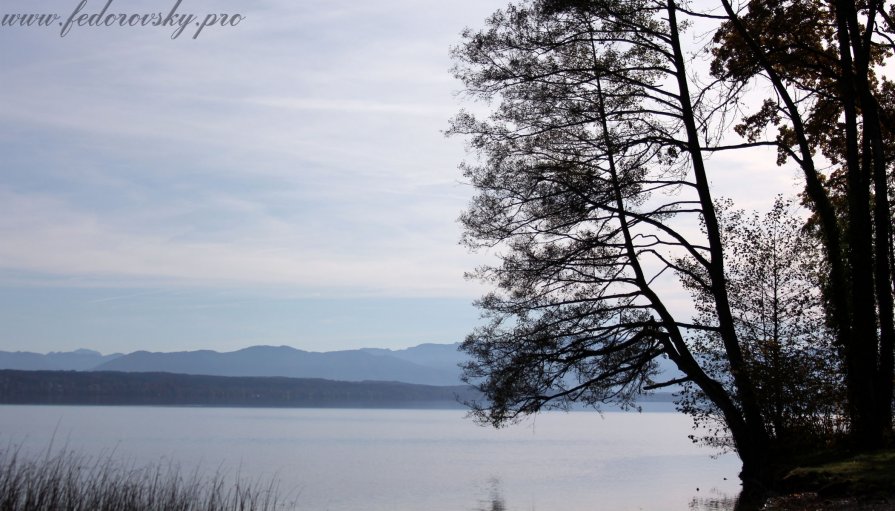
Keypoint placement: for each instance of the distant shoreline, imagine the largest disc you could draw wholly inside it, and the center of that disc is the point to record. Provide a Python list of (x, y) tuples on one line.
[(109, 388), (121, 388)]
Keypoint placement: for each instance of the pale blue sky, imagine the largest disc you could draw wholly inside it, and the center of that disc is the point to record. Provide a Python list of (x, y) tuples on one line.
[(284, 181)]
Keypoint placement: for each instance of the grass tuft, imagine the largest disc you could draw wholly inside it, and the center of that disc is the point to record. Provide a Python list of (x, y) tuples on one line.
[(69, 481)]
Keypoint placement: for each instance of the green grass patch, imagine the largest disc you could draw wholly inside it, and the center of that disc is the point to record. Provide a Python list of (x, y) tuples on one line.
[(846, 474)]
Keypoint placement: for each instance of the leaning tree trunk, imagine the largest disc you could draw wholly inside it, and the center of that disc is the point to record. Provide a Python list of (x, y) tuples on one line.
[(749, 435)]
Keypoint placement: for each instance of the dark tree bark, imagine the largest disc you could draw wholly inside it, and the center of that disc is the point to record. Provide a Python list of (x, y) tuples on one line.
[(830, 62)]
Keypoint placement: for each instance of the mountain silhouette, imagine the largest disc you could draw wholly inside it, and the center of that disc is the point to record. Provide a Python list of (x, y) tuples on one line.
[(349, 365), (426, 364)]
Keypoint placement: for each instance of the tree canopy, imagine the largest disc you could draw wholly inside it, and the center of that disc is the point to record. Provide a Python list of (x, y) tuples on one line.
[(833, 114), (592, 182)]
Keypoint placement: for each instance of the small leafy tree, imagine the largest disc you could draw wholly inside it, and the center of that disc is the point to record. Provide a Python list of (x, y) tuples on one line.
[(775, 271)]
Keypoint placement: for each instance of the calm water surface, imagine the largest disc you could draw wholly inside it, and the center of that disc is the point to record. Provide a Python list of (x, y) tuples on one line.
[(407, 460)]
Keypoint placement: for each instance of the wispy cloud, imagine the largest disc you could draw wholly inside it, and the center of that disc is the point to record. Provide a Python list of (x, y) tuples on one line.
[(442, 111), (47, 236)]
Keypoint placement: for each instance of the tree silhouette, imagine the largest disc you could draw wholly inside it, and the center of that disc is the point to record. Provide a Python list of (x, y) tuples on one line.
[(590, 171)]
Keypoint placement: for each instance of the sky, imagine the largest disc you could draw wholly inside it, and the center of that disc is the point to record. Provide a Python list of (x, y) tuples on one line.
[(282, 179)]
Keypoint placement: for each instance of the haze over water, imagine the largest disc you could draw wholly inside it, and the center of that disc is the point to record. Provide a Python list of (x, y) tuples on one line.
[(406, 460)]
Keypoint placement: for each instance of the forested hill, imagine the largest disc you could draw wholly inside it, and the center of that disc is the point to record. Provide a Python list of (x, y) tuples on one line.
[(118, 388)]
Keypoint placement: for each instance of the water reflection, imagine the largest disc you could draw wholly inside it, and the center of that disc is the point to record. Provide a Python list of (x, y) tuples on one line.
[(715, 503), (711, 500), (718, 501), (495, 500)]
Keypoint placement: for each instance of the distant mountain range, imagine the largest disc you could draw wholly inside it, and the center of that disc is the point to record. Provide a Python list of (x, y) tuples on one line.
[(426, 364), (78, 360)]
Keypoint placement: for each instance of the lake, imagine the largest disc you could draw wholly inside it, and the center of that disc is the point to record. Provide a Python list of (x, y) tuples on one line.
[(406, 460)]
